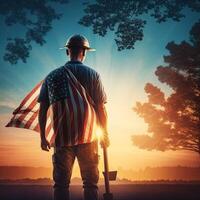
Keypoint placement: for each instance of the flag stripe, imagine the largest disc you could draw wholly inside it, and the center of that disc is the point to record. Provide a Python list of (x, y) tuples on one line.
[(75, 124), (71, 119), (68, 128), (29, 96), (78, 113), (29, 114), (91, 126)]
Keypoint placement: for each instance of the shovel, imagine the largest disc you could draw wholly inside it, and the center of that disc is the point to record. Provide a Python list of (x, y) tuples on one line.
[(108, 176)]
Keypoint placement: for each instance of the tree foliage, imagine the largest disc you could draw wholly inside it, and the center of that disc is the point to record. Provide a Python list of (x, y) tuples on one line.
[(126, 17), (36, 16), (174, 121)]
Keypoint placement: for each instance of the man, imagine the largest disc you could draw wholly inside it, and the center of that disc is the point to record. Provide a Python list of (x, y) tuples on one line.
[(72, 142)]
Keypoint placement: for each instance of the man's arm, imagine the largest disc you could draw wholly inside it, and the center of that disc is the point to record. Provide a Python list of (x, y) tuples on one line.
[(42, 124), (102, 121)]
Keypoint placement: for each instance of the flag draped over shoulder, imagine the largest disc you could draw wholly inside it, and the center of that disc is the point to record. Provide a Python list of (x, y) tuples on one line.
[(26, 114), (70, 121)]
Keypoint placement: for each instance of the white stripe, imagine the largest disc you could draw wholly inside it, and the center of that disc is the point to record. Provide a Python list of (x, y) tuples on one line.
[(75, 113), (32, 97), (48, 122), (34, 123), (50, 135), (15, 121), (51, 132), (29, 115)]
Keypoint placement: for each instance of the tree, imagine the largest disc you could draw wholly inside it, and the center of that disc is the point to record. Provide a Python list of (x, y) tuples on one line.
[(123, 17), (36, 16), (174, 121)]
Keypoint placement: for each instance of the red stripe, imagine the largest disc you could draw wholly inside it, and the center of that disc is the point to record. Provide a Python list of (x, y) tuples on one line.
[(25, 112), (37, 128), (58, 123), (10, 123), (68, 122), (84, 116), (48, 128), (79, 114), (64, 122), (61, 121), (72, 131), (55, 117), (30, 121), (52, 140)]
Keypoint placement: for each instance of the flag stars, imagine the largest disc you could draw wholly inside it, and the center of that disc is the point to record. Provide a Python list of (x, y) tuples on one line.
[(57, 86)]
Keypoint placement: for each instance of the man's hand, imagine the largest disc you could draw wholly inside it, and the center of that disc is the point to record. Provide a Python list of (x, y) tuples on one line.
[(45, 145), (104, 140)]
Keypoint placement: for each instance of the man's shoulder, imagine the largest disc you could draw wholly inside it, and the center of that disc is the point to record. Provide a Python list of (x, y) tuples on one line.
[(90, 69), (78, 67), (85, 70), (55, 73)]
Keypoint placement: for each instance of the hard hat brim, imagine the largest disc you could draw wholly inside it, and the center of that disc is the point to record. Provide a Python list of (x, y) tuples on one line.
[(87, 48)]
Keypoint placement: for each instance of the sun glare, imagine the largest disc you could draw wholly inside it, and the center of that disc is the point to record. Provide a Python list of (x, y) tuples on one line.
[(99, 133)]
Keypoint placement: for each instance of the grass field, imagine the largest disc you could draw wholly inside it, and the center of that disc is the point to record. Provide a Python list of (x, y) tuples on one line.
[(120, 192)]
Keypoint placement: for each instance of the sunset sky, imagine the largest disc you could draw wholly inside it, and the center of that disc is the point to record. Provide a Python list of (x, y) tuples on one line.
[(124, 75)]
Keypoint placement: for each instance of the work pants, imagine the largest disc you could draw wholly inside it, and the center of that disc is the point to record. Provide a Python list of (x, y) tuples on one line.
[(63, 161)]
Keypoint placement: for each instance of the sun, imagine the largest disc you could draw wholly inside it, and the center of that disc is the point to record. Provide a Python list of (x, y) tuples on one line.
[(99, 133)]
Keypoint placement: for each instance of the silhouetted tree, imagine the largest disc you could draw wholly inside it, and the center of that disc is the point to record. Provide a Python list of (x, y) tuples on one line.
[(174, 121), (36, 16), (126, 17)]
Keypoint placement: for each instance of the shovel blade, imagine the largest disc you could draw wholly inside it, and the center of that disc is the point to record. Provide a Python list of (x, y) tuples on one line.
[(112, 175)]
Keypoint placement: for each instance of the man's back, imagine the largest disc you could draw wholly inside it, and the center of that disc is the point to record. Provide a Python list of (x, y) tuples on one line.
[(73, 105), (89, 79), (68, 91)]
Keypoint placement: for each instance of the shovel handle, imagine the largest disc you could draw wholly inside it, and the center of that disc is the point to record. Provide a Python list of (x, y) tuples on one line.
[(106, 170)]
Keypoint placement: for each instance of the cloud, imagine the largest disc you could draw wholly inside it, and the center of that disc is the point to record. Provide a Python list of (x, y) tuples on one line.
[(6, 148), (6, 107)]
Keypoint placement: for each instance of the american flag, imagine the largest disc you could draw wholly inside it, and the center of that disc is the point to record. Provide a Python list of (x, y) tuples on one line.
[(70, 121)]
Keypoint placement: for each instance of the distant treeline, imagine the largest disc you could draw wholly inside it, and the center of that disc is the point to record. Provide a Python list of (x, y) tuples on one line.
[(15, 172), (148, 174), (78, 181), (162, 173)]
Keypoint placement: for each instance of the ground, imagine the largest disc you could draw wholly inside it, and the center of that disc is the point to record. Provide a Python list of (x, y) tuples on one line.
[(120, 192)]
